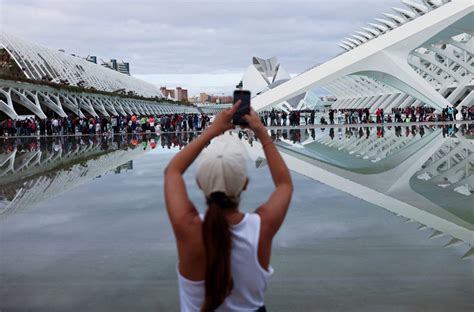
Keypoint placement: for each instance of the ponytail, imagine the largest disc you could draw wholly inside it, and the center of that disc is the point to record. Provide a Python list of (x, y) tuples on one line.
[(217, 245)]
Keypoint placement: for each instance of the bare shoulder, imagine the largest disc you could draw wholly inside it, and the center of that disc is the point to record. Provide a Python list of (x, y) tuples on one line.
[(189, 228)]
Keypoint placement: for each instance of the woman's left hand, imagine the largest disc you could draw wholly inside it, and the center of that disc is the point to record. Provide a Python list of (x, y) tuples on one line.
[(223, 120)]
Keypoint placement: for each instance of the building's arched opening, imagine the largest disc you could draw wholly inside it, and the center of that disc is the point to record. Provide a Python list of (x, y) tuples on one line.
[(19, 108)]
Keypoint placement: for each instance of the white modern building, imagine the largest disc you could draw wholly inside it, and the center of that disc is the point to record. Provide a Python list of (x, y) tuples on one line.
[(265, 74), (421, 54), (42, 63), (36, 63)]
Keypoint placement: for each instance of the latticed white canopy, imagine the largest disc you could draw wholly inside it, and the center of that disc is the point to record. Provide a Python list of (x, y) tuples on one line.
[(39, 62)]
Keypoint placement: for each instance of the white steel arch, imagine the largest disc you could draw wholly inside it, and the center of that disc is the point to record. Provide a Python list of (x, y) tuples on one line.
[(34, 97)]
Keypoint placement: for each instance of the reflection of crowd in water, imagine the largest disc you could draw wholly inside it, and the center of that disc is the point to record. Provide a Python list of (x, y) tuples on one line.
[(179, 140), (300, 135), (107, 142)]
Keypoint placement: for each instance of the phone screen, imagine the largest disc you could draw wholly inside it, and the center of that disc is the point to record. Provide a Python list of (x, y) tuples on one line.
[(244, 108)]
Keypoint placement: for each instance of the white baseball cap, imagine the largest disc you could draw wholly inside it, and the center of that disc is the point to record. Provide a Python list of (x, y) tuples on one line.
[(223, 167)]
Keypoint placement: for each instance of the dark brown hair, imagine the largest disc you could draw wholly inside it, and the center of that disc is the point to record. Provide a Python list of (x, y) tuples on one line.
[(217, 245)]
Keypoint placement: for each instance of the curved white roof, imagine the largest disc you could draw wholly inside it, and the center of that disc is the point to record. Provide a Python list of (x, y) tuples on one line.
[(38, 62)]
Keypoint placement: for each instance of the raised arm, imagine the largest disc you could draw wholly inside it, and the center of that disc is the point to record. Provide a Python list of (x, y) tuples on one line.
[(273, 211), (180, 209)]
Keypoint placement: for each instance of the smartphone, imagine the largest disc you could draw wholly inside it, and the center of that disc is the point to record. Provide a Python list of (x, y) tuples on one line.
[(244, 108)]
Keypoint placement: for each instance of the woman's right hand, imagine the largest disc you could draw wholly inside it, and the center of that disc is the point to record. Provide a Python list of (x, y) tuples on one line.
[(254, 122), (223, 120)]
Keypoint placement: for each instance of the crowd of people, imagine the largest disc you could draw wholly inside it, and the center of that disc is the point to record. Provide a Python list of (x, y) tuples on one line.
[(281, 118), (363, 115), (98, 125)]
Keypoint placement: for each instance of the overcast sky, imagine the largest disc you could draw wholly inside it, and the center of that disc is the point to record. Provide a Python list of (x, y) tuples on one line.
[(201, 45)]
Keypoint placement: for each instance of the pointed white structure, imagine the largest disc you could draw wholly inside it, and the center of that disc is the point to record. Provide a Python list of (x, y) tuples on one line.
[(396, 18), (417, 8), (387, 23), (260, 76), (281, 75), (405, 13), (365, 34), (371, 30)]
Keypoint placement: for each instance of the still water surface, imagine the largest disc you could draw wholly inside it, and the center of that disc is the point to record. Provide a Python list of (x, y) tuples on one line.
[(83, 225)]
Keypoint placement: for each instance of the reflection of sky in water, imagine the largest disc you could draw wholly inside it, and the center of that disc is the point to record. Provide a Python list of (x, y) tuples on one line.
[(107, 245)]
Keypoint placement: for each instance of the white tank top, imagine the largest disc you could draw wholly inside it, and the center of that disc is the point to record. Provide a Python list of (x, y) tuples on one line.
[(250, 279)]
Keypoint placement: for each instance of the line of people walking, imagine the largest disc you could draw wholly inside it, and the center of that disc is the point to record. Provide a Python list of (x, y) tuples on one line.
[(98, 125), (363, 115)]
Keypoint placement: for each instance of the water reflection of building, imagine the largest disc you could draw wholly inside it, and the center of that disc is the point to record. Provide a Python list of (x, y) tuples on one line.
[(32, 171), (451, 166), (424, 178), (424, 174), (370, 150), (447, 177)]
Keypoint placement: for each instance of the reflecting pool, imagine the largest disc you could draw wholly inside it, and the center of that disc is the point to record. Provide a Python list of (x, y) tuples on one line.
[(382, 220)]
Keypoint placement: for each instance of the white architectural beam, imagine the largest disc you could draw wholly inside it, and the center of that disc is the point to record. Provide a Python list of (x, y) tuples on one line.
[(6, 104)]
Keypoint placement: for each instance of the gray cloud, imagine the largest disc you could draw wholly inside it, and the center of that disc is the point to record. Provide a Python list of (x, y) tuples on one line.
[(192, 37)]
